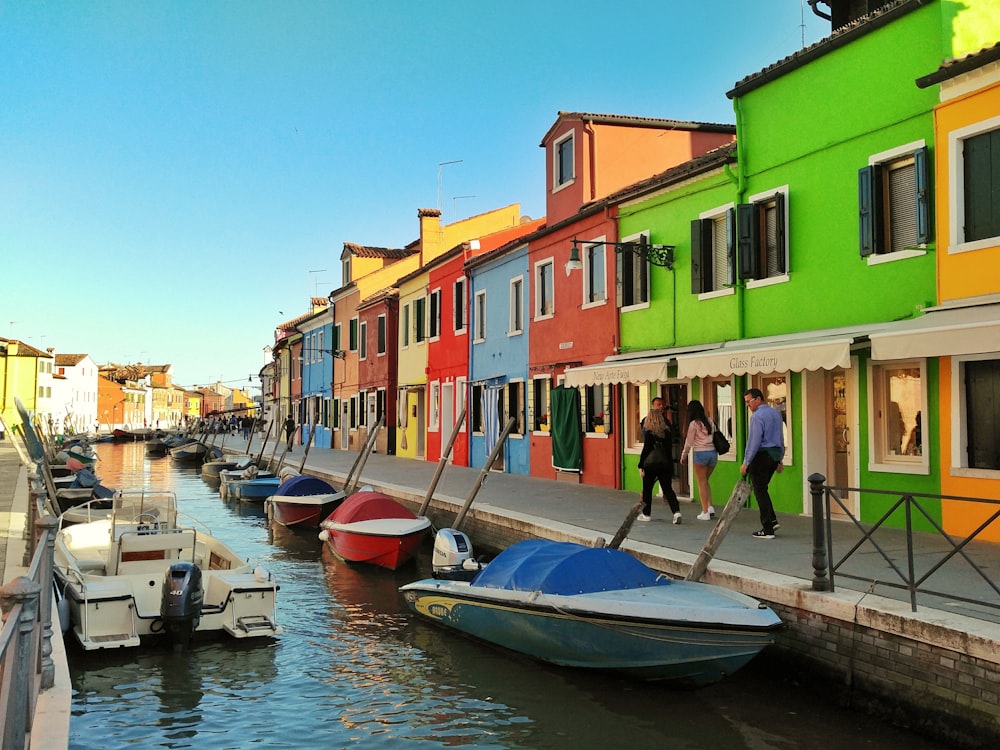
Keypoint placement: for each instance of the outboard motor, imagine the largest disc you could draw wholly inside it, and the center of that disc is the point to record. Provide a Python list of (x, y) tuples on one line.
[(452, 558), (181, 601)]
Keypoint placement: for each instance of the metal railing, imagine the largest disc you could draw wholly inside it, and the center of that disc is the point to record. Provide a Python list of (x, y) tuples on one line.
[(934, 547), (26, 666)]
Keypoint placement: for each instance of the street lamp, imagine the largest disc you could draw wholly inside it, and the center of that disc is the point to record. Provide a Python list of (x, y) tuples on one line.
[(657, 255)]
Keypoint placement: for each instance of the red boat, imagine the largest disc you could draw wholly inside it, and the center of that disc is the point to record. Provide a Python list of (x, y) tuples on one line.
[(373, 528), (302, 501)]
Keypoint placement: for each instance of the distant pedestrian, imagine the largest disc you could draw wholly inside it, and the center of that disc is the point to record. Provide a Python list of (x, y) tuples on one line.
[(764, 452), (289, 430), (698, 442), (656, 462)]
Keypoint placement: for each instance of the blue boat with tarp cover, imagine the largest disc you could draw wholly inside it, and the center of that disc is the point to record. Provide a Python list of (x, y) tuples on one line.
[(600, 608)]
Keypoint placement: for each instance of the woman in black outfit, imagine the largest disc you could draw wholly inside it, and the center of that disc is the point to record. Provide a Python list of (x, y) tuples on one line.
[(656, 464)]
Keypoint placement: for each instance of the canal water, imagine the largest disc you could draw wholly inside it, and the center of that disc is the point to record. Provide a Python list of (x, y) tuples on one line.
[(355, 669)]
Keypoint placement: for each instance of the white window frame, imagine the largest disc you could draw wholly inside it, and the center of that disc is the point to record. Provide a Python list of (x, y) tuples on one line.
[(479, 316), (636, 263), (515, 325), (434, 418), (593, 248), (434, 315), (883, 158), (877, 425), (537, 304), (956, 188), (461, 399), (363, 339), (383, 326), (459, 304), (405, 316), (556, 160), (764, 197), (960, 427), (715, 214)]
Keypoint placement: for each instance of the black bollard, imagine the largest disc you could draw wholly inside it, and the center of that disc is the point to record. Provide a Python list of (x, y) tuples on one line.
[(820, 580)]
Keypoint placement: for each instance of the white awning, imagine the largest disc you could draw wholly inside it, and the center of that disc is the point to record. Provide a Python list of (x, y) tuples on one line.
[(649, 366), (636, 371), (760, 356), (941, 332)]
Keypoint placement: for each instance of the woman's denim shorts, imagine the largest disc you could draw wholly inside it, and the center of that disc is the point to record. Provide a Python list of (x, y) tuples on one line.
[(706, 458)]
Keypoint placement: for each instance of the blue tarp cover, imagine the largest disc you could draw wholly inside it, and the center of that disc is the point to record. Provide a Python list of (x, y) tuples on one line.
[(565, 568), (303, 485)]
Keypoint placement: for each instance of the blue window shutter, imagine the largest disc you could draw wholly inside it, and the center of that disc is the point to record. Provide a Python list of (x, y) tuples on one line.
[(747, 240), (921, 173), (731, 247), (866, 210), (697, 257)]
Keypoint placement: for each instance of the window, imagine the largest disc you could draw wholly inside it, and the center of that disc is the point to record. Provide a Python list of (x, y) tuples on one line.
[(459, 305), (352, 421), (777, 393), (974, 180), (435, 415), (406, 324), (540, 390), (479, 320), (893, 202), (719, 406), (381, 335), (420, 319), (515, 407), (594, 274), (434, 325), (379, 404), (477, 408), (460, 385), (354, 335), (761, 236), (563, 166), (713, 251), (544, 295), (596, 414), (516, 324), (363, 353), (633, 277), (336, 336), (336, 414), (897, 393), (345, 271)]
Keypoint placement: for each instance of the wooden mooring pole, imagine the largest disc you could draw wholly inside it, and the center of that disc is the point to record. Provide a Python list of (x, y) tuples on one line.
[(736, 502)]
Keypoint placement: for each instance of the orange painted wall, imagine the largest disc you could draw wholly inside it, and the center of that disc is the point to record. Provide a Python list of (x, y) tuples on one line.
[(977, 272), (961, 275)]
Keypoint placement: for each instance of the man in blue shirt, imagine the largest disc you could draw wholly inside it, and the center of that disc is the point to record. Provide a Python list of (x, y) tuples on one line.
[(764, 452)]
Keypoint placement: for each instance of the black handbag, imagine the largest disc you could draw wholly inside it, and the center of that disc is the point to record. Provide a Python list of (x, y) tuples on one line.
[(720, 442)]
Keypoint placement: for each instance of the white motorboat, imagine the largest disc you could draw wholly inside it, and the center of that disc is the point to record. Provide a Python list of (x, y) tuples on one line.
[(140, 573)]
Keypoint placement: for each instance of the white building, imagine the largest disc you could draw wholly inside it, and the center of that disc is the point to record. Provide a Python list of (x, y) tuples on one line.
[(74, 393)]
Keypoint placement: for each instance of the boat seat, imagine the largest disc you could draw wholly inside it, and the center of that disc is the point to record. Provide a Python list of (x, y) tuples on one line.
[(134, 547), (90, 565)]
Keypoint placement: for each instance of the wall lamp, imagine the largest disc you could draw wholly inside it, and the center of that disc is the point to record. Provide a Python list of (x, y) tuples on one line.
[(657, 255)]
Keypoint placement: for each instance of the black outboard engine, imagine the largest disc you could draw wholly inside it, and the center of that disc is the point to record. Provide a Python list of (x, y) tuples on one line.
[(452, 557), (181, 601)]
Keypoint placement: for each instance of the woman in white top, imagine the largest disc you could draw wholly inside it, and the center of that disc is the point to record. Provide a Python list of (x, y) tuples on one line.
[(699, 440)]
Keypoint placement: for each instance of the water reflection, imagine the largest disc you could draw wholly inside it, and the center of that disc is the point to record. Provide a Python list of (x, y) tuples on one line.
[(355, 668)]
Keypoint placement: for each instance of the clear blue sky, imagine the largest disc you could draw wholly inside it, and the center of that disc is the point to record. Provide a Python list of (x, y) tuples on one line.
[(173, 175)]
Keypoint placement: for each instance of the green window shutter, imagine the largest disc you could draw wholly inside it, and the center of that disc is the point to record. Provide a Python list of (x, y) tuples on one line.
[(747, 241), (921, 173), (698, 231), (866, 210)]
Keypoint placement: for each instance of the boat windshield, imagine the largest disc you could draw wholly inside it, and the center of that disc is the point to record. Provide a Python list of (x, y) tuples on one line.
[(143, 512)]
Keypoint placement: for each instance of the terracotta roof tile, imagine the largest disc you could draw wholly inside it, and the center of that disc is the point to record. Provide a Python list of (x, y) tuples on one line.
[(952, 68), (367, 251)]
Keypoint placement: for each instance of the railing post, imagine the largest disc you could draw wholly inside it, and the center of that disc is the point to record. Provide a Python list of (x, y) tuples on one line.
[(820, 581), (47, 527), (24, 592)]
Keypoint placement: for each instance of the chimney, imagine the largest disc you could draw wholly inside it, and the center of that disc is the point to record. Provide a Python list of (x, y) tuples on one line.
[(430, 234)]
